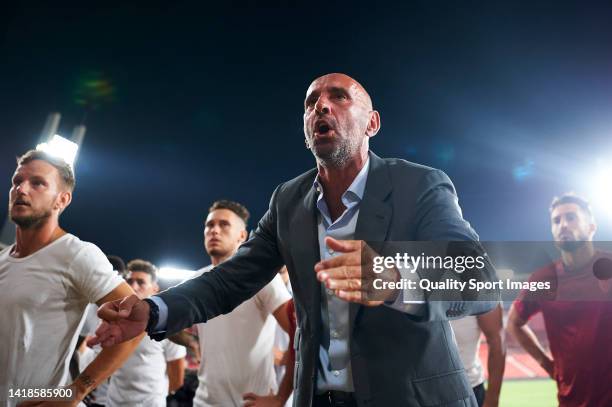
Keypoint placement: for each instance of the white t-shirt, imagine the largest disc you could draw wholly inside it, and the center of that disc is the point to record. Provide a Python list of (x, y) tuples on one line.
[(42, 306), (467, 334), (281, 341), (237, 349), (142, 380)]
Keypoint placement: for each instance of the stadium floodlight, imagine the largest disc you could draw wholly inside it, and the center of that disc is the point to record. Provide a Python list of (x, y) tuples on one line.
[(601, 187), (60, 147), (174, 273)]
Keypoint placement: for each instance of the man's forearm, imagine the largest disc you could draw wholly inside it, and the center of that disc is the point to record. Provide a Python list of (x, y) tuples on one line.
[(176, 375), (184, 338), (528, 340), (109, 360), (286, 385), (496, 363)]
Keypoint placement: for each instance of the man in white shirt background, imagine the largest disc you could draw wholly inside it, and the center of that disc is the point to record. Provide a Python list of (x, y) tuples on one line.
[(47, 278), (281, 341), (237, 359), (155, 369)]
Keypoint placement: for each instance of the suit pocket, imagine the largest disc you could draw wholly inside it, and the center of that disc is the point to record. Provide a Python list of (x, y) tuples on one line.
[(442, 390)]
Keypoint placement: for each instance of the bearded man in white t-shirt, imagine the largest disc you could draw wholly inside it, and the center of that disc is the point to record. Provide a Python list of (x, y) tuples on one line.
[(155, 369), (47, 278), (237, 366)]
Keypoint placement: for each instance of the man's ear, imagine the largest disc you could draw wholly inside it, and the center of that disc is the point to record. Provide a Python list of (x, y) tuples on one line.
[(373, 124), (63, 200), (244, 235)]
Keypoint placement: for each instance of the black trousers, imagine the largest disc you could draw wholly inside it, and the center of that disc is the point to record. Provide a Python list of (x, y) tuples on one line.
[(334, 399), (479, 392)]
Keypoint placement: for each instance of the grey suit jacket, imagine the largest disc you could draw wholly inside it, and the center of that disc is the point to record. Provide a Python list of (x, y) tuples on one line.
[(397, 359)]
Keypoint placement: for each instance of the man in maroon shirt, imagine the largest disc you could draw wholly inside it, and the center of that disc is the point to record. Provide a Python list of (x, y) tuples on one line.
[(578, 316)]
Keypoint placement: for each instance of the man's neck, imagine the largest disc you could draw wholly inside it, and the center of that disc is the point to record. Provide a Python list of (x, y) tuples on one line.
[(579, 258), (336, 180), (30, 240)]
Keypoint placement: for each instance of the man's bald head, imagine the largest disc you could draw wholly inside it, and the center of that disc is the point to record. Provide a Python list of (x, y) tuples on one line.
[(350, 83)]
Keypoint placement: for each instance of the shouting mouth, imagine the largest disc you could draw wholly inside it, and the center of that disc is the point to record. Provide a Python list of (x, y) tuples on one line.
[(322, 129)]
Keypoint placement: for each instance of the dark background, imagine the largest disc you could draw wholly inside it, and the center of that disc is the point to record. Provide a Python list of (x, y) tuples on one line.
[(512, 99)]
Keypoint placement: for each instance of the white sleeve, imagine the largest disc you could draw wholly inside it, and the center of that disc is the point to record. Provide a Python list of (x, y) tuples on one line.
[(172, 351), (273, 295), (93, 275)]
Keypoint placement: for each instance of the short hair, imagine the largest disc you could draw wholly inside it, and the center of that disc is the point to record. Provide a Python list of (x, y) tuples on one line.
[(144, 267), (235, 207), (63, 168), (572, 198), (117, 263)]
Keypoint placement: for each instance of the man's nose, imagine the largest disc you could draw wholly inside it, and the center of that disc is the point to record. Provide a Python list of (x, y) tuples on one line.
[(322, 105), (23, 188), (563, 224)]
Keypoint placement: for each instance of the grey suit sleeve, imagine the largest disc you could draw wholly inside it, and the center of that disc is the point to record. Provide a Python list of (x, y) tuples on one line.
[(230, 283), (441, 219)]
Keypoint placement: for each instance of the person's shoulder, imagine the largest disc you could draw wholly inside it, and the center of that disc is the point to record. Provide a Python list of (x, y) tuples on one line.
[(69, 246), (75, 245), (399, 164), (5, 251), (401, 168), (80, 255), (305, 179), (416, 178)]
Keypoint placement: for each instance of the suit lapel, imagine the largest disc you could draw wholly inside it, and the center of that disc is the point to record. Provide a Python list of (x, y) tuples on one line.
[(375, 212)]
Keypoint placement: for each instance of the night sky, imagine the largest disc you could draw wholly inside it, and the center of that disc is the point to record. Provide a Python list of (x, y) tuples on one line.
[(513, 100)]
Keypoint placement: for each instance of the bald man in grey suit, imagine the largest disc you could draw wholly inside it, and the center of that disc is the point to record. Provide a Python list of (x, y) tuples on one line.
[(351, 350)]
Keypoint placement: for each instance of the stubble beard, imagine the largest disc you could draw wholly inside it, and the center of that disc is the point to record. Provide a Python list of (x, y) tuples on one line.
[(218, 252), (340, 156), (570, 246), (33, 220)]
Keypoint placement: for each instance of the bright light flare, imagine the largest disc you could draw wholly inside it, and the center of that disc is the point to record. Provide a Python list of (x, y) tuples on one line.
[(60, 147), (601, 187), (174, 273)]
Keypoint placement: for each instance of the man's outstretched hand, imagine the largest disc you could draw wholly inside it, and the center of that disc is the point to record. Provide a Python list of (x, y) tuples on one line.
[(122, 320)]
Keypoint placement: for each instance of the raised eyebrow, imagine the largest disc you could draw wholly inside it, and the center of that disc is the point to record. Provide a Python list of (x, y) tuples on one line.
[(337, 89), (38, 178)]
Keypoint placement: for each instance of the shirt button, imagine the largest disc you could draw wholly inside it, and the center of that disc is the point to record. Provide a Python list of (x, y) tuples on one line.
[(334, 334), (329, 291), (336, 373), (330, 251)]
